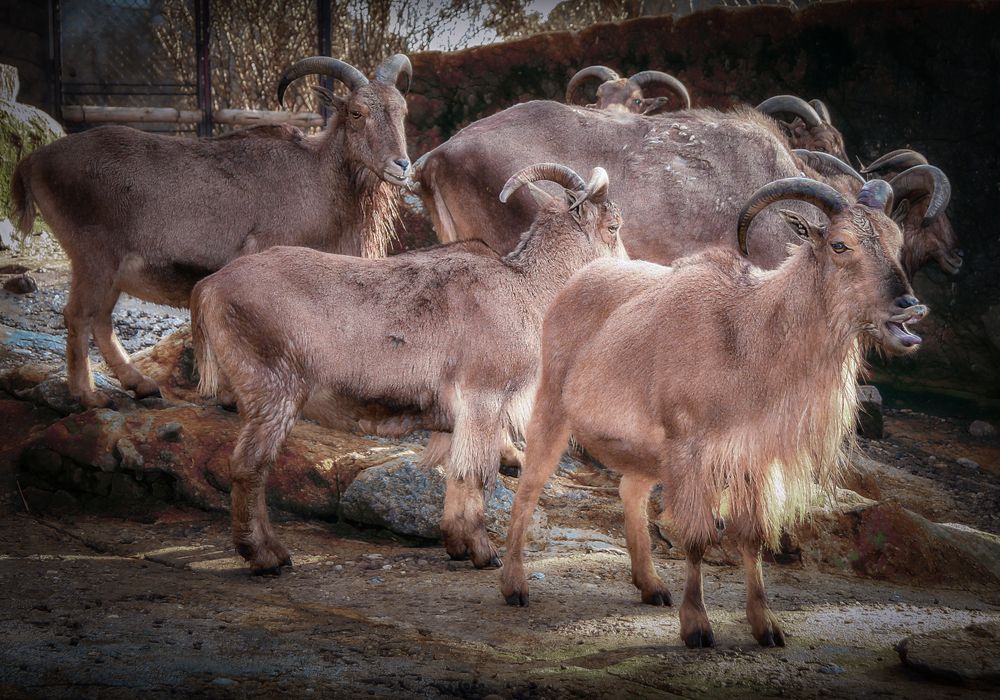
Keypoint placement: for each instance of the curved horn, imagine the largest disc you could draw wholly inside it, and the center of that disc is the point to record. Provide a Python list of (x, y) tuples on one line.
[(924, 179), (878, 195), (898, 160), (554, 172), (321, 65), (804, 189), (824, 163), (655, 77), (821, 110), (792, 105), (389, 70), (602, 73)]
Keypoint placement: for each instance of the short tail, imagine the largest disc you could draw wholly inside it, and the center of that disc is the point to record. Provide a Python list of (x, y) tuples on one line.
[(204, 356), (21, 198)]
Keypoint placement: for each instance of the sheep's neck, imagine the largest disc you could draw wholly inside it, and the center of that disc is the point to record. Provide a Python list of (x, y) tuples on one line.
[(548, 256), (363, 224)]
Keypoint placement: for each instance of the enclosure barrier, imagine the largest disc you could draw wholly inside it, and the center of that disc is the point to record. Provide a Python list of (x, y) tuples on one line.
[(147, 115)]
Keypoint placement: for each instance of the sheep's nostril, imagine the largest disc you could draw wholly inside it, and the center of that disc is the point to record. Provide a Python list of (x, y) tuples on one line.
[(403, 163), (906, 301)]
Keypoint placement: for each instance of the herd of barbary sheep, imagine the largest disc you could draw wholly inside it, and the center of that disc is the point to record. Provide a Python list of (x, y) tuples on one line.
[(720, 361)]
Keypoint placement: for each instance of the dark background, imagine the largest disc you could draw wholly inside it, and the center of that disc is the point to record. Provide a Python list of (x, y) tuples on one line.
[(916, 73)]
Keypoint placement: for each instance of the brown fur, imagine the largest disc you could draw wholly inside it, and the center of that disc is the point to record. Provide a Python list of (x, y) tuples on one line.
[(679, 177), (150, 215), (731, 385), (446, 339)]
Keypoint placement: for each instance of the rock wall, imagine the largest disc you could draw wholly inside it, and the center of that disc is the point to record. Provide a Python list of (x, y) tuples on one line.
[(24, 44), (912, 73)]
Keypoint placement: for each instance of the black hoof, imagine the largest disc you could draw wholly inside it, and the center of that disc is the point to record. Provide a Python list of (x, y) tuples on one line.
[(286, 562), (517, 599), (245, 551), (657, 598), (511, 470), (700, 640), (494, 562), (769, 639)]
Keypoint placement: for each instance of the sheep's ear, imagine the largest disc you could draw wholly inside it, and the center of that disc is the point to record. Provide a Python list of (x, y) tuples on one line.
[(803, 228), (540, 196), (654, 105), (900, 212), (327, 97)]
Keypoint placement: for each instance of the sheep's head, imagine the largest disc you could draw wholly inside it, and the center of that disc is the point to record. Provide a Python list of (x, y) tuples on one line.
[(372, 114), (810, 127), (922, 194), (857, 252), (626, 94), (585, 203)]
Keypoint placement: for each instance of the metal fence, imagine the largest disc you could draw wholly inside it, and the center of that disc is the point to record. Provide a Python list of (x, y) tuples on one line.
[(182, 65)]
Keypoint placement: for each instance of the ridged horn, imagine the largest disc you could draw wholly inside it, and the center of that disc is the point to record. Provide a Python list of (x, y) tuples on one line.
[(655, 77), (804, 189), (924, 179), (602, 73), (792, 105), (597, 186), (321, 65), (554, 172), (389, 70), (824, 163), (821, 110), (898, 160), (877, 194)]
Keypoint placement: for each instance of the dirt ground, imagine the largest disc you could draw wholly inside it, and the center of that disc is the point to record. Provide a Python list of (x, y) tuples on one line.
[(96, 606)]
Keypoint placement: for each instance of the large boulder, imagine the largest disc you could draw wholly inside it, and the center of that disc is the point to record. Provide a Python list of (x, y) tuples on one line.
[(23, 128)]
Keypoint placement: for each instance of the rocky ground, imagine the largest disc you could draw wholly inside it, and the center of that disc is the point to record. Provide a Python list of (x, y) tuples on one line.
[(120, 580)]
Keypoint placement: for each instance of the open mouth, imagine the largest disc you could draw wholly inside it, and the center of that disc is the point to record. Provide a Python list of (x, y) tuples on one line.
[(896, 326), (394, 177)]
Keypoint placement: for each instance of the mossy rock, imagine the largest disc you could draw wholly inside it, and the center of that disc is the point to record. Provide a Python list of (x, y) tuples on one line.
[(23, 128)]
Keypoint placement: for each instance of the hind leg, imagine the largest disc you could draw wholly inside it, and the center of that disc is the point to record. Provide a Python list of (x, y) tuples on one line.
[(269, 419), (548, 433), (114, 354), (85, 293), (472, 464), (634, 490)]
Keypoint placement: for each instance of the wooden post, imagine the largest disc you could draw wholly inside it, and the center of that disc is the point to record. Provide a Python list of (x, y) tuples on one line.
[(203, 37)]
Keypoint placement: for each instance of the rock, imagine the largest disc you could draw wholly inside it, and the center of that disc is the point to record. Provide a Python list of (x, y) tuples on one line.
[(22, 129), (967, 463), (54, 393), (888, 542), (964, 655), (870, 424), (128, 455), (21, 284), (407, 498), (980, 428)]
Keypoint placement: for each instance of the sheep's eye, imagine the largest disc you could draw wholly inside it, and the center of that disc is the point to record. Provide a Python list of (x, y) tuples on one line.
[(638, 101), (839, 247), (356, 114)]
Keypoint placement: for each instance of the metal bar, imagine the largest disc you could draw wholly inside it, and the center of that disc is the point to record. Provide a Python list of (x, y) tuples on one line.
[(203, 35), (55, 59), (325, 45)]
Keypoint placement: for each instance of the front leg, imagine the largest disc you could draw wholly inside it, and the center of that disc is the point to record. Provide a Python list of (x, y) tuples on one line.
[(763, 622), (696, 630)]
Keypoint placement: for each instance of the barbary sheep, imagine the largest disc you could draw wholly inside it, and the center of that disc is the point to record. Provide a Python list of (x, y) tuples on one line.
[(810, 128), (445, 339), (732, 386), (680, 177), (150, 215), (626, 94)]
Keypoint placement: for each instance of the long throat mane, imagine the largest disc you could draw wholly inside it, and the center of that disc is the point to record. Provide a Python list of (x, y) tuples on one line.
[(366, 222), (810, 363)]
